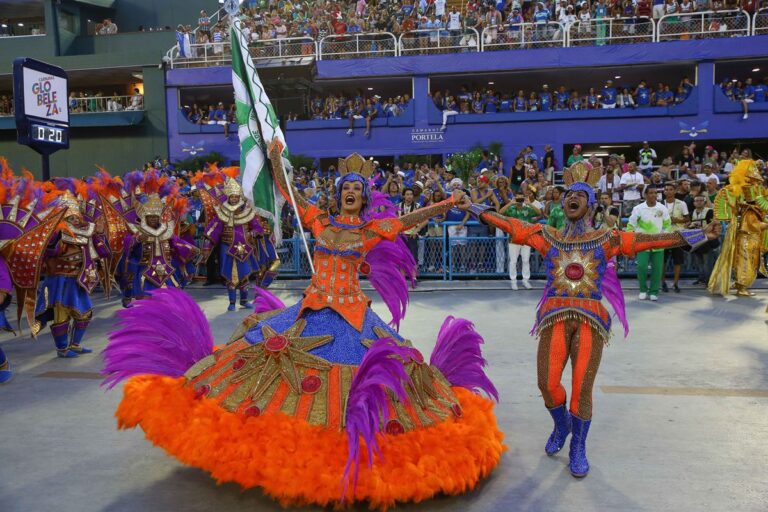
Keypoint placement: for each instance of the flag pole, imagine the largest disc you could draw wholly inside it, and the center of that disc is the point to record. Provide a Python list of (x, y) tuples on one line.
[(234, 23), (298, 217)]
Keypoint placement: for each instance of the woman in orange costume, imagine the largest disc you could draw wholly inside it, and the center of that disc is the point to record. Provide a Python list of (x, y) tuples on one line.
[(571, 321), (284, 405)]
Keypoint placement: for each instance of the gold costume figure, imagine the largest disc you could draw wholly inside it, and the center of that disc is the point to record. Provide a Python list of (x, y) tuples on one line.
[(744, 205)]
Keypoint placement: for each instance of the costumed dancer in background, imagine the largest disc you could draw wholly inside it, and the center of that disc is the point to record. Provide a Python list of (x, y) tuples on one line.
[(71, 273), (27, 222), (283, 406), (743, 203), (237, 229), (571, 321), (146, 212)]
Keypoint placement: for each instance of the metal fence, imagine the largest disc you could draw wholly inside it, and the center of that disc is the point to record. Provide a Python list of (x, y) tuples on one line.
[(202, 55), (517, 36), (357, 46), (703, 25), (88, 104), (434, 41), (760, 22), (286, 50), (611, 31), (454, 258)]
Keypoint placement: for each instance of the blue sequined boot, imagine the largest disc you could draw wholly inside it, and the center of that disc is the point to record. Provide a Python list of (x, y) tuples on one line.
[(562, 419), (244, 298), (77, 337), (579, 463), (60, 333), (232, 298)]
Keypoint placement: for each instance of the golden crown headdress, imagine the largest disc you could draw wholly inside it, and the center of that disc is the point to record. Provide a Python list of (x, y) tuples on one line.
[(152, 206), (357, 164), (70, 203), (581, 172), (232, 188)]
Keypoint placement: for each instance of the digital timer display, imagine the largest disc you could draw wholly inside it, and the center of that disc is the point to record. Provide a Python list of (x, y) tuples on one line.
[(48, 134)]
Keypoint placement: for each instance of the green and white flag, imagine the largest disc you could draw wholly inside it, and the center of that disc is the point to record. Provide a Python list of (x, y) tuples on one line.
[(257, 126)]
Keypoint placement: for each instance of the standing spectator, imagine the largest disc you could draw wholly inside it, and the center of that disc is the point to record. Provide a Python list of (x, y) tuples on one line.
[(645, 159), (108, 28), (575, 156), (610, 183), (631, 184), (545, 99), (548, 162), (520, 208), (650, 218), (679, 216), (137, 101), (748, 97), (517, 174), (204, 23), (643, 95), (554, 209), (704, 257), (606, 214), (457, 233), (608, 99), (409, 205)]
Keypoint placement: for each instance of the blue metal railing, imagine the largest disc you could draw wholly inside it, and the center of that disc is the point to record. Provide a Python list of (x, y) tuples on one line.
[(446, 258)]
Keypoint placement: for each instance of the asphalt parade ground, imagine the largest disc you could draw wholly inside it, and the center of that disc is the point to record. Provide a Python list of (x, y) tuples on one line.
[(680, 416)]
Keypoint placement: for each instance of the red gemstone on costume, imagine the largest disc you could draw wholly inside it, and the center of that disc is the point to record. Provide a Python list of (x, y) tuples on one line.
[(252, 411), (417, 356), (457, 410), (239, 363), (394, 428), (574, 271), (310, 384), (365, 268), (202, 391), (276, 343)]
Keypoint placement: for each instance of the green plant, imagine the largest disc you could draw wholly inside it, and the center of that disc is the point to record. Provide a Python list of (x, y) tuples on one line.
[(196, 163), (465, 162)]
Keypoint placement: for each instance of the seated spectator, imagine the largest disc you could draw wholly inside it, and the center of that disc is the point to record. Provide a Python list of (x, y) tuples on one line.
[(107, 28), (608, 99), (624, 99)]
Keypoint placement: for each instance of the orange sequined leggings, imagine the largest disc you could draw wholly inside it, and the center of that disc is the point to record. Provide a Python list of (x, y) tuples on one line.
[(584, 345)]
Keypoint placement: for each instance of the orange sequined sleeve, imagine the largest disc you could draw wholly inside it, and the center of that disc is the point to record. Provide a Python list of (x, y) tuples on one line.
[(423, 214), (630, 243), (308, 212), (521, 233)]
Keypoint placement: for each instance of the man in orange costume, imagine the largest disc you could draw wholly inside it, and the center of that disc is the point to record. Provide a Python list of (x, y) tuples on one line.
[(571, 321)]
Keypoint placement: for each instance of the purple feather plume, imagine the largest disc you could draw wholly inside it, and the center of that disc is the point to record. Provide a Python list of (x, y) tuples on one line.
[(164, 334), (132, 180), (613, 293), (382, 369), (65, 184), (264, 300), (167, 188), (392, 264), (458, 356)]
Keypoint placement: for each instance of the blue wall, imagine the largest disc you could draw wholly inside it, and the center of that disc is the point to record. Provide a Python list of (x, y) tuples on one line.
[(707, 114)]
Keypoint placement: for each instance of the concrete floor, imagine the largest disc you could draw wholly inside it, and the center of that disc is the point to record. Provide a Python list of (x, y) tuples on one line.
[(681, 414)]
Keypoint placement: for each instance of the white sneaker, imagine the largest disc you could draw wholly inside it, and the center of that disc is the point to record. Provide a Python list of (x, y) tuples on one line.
[(526, 284), (642, 296), (513, 284), (745, 116), (654, 298), (349, 132)]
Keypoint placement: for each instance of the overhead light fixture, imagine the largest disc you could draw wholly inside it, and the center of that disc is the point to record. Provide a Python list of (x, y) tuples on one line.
[(138, 76), (617, 146), (370, 88), (21, 24), (4, 25), (617, 77), (89, 21), (734, 80), (596, 154), (491, 83), (755, 70)]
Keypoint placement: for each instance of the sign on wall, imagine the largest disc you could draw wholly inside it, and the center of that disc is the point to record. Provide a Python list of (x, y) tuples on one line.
[(41, 107)]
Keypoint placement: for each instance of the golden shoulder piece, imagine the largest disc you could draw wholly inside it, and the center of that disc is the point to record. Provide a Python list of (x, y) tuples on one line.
[(232, 188), (580, 171), (357, 164), (70, 203), (152, 206)]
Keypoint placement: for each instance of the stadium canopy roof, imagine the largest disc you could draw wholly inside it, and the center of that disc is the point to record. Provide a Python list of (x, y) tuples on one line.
[(106, 4)]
